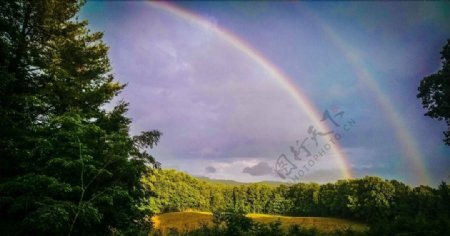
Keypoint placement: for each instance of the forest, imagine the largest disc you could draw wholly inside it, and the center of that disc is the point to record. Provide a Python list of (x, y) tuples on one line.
[(69, 165), (387, 206)]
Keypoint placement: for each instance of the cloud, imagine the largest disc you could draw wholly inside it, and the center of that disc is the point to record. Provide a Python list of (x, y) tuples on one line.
[(261, 168), (217, 107), (210, 169), (319, 176)]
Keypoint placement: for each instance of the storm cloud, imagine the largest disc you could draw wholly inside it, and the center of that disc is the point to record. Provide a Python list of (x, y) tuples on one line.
[(261, 168), (210, 169)]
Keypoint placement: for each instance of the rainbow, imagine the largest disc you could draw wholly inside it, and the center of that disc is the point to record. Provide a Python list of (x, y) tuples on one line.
[(403, 135), (282, 79), (408, 143)]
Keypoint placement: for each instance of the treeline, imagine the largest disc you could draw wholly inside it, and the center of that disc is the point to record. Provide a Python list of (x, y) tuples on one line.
[(384, 204)]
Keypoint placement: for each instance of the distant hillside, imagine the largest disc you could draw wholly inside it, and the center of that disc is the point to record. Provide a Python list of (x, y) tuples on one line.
[(236, 183)]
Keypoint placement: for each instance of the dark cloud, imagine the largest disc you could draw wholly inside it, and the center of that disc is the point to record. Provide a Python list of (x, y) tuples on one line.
[(210, 169), (261, 168), (216, 109)]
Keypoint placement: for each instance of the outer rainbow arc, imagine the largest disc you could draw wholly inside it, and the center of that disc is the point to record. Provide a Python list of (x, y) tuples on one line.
[(402, 133), (275, 73)]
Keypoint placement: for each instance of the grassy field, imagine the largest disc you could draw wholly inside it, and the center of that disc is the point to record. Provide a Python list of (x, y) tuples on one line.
[(183, 221)]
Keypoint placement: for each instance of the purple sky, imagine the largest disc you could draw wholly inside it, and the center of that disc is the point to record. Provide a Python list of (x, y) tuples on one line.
[(223, 116)]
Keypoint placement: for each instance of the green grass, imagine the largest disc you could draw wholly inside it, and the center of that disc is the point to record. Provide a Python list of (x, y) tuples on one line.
[(185, 221)]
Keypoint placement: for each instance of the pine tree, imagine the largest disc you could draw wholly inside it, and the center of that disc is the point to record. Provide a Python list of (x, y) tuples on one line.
[(68, 166)]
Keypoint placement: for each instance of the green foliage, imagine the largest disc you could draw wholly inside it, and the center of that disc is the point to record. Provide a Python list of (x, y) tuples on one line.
[(372, 200), (305, 199), (411, 225), (234, 223), (67, 165), (237, 224), (170, 191), (271, 229), (434, 91)]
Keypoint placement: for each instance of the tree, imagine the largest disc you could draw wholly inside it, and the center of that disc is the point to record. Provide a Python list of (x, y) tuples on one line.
[(374, 196), (305, 198), (169, 190), (279, 202), (444, 195), (346, 197), (236, 223), (434, 91), (217, 198), (402, 199), (67, 165), (327, 199)]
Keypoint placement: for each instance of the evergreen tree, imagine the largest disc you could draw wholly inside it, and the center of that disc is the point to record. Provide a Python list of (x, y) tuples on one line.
[(67, 166)]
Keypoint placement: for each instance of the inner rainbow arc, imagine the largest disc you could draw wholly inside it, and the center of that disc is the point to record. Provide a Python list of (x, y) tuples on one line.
[(284, 81)]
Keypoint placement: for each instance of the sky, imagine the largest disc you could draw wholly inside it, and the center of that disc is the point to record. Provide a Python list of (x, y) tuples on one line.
[(283, 91)]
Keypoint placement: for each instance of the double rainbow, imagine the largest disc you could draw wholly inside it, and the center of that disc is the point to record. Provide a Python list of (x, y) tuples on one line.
[(405, 138)]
